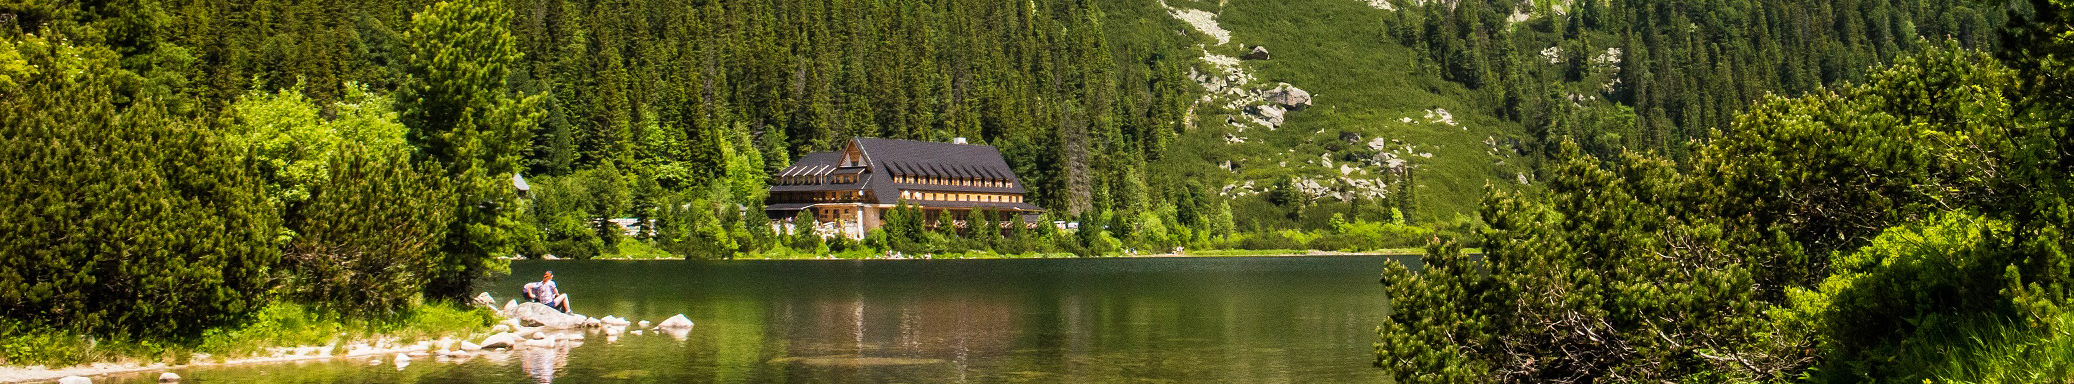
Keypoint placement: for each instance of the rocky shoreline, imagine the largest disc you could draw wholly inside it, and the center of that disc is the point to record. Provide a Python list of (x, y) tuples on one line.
[(525, 327)]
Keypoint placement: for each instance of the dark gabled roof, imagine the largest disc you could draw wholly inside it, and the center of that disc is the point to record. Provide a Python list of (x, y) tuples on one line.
[(889, 157), (886, 158)]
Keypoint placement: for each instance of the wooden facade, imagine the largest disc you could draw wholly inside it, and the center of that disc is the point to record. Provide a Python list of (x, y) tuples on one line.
[(849, 190)]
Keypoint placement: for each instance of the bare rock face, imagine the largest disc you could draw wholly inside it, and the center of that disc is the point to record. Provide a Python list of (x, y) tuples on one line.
[(1289, 96), (1258, 53)]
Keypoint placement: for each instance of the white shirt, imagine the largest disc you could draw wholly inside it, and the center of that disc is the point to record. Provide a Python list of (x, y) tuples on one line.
[(543, 291)]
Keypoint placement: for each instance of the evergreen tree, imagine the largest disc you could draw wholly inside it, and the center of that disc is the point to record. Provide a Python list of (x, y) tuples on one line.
[(464, 116)]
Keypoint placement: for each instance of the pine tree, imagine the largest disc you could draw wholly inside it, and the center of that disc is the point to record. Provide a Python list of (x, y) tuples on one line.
[(463, 116)]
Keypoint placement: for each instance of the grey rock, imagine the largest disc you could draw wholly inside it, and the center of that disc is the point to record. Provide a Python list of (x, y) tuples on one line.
[(541, 315), (1273, 115), (485, 301), (1258, 53), (1289, 96)]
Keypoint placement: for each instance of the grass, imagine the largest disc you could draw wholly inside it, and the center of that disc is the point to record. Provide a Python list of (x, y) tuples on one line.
[(1362, 83), (279, 324), (2004, 352)]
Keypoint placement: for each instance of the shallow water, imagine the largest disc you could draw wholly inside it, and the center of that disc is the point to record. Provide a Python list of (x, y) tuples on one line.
[(1188, 320)]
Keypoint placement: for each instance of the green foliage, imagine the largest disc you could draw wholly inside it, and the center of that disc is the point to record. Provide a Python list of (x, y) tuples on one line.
[(121, 218), (1889, 231), (1904, 292), (294, 143), (367, 237), (464, 116)]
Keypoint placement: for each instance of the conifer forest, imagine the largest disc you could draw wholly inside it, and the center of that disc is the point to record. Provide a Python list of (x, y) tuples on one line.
[(1598, 190)]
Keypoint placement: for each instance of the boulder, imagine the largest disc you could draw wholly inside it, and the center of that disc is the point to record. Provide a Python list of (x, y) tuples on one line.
[(1289, 96), (1258, 53), (644, 324), (469, 346), (537, 335), (501, 340), (677, 321), (509, 307), (541, 315), (500, 328), (592, 322), (485, 301), (613, 320), (1270, 115), (75, 380), (169, 377)]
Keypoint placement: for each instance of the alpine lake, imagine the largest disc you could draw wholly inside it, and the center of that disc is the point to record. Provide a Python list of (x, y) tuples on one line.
[(1139, 320)]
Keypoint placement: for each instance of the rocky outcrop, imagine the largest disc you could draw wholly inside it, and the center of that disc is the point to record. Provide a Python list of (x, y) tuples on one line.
[(1288, 96), (1270, 115)]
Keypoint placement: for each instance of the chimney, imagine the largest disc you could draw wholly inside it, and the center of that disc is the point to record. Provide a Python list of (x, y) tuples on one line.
[(959, 140)]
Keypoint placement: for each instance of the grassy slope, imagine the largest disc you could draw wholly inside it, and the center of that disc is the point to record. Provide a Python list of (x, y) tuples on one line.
[(1362, 82)]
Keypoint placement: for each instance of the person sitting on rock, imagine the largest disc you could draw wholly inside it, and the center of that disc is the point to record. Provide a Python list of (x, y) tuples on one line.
[(545, 292)]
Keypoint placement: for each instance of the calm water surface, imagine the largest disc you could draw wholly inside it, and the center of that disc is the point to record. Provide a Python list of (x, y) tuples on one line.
[(1186, 320)]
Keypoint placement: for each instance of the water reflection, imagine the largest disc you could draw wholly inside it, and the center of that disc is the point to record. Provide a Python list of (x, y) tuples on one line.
[(944, 321)]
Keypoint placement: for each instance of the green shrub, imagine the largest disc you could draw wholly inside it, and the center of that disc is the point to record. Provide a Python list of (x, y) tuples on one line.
[(121, 218), (365, 237)]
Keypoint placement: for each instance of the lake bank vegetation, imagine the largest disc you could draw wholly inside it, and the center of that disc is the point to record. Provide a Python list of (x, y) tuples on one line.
[(182, 171), (1907, 226)]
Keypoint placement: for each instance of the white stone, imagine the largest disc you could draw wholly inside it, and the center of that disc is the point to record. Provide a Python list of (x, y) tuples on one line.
[(484, 299), (501, 340), (169, 377), (470, 346), (677, 321), (541, 315), (75, 380), (644, 324)]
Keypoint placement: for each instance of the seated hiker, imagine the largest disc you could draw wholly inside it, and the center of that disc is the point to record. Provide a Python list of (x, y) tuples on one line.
[(545, 292)]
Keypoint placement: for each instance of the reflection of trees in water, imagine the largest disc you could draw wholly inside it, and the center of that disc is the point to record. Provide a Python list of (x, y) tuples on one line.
[(951, 324)]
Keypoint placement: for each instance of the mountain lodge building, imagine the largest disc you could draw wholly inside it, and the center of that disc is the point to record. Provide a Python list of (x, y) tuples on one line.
[(852, 189)]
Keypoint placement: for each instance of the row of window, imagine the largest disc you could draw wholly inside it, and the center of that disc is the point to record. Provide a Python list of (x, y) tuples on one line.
[(973, 197), (804, 180), (953, 181), (819, 197)]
